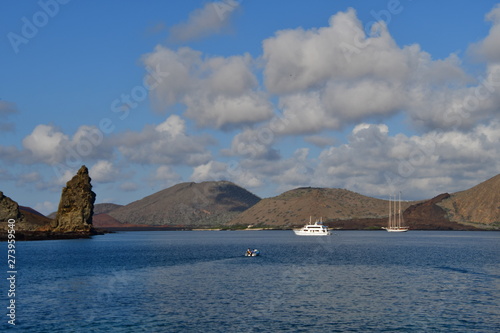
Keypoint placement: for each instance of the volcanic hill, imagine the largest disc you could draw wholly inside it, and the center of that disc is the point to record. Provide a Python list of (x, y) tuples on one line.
[(477, 205), (339, 208), (206, 204)]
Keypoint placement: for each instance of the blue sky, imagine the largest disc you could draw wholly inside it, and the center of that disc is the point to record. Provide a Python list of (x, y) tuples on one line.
[(372, 96)]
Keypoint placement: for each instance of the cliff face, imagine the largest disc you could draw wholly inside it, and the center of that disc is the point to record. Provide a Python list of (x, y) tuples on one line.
[(76, 206), (479, 204), (27, 219), (9, 209)]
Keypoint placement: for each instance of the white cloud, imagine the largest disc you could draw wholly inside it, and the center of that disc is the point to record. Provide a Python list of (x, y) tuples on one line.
[(166, 143), (282, 173), (213, 18), (298, 60), (210, 171), (63, 178), (174, 126), (232, 171), (374, 163), (489, 48), (253, 143), (181, 66), (217, 92), (320, 141), (329, 77), (166, 175), (104, 172), (47, 144)]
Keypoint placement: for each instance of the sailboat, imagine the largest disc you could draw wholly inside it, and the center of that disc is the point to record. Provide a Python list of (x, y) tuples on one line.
[(396, 221)]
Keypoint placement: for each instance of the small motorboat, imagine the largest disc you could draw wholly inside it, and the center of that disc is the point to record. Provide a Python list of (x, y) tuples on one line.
[(252, 253)]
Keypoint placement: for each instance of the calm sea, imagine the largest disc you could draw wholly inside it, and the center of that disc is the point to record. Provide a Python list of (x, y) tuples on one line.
[(199, 281)]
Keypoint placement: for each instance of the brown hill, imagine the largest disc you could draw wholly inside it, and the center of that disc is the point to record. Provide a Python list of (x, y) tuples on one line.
[(34, 218), (104, 208), (206, 204), (479, 204), (429, 215), (295, 207), (103, 220), (26, 218)]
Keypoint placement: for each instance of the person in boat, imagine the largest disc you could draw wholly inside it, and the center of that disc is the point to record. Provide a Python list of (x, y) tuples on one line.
[(249, 252)]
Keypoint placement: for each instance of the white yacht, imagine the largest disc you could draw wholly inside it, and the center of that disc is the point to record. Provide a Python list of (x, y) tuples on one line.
[(316, 229)]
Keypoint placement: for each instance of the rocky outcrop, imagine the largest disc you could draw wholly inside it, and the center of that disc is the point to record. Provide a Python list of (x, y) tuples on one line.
[(76, 207), (9, 209)]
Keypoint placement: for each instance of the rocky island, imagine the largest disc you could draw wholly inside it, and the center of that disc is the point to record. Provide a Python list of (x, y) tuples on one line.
[(73, 218)]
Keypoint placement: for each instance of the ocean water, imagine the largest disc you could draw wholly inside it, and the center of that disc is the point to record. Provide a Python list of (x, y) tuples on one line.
[(200, 281)]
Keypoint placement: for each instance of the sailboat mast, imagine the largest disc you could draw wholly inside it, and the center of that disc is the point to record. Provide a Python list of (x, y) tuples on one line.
[(390, 211), (399, 211), (395, 218)]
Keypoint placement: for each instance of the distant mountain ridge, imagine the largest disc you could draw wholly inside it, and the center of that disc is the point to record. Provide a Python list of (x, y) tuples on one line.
[(219, 204), (205, 204), (199, 205)]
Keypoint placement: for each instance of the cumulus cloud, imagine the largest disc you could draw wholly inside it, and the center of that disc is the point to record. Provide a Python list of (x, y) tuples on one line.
[(232, 171), (253, 143), (374, 163), (326, 78), (320, 141), (166, 143), (298, 59), (489, 49), (62, 177), (212, 170), (333, 76), (283, 173), (166, 176), (217, 92), (104, 172), (213, 18), (48, 144)]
